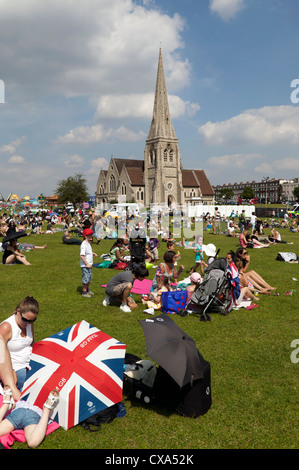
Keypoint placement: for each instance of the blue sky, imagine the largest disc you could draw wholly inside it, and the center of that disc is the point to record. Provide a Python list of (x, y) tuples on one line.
[(80, 76)]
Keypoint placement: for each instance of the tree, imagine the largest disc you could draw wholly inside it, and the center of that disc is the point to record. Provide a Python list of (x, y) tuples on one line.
[(296, 193), (226, 194), (247, 193), (73, 189)]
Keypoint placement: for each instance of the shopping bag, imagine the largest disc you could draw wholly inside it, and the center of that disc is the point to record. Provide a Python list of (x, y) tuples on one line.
[(174, 301)]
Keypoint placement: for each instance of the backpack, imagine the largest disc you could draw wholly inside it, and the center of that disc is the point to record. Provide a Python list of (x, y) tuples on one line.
[(104, 416)]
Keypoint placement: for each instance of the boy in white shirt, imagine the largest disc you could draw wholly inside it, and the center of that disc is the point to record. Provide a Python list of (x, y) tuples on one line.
[(86, 261)]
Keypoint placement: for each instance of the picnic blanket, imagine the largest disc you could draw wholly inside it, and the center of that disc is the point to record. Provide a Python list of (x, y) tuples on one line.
[(140, 287), (18, 435)]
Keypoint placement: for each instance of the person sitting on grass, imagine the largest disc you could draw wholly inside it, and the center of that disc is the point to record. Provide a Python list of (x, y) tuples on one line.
[(68, 240), (155, 297), (242, 291), (167, 268), (116, 251), (24, 416), (252, 277), (195, 279), (13, 255), (120, 286), (275, 236)]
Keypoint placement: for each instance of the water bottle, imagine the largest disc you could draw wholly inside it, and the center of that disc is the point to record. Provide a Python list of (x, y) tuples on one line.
[(142, 396)]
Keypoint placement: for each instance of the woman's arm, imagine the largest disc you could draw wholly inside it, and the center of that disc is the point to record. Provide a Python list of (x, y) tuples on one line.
[(7, 374)]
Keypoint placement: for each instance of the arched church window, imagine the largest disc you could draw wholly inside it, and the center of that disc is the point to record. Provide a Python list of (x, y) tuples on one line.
[(112, 183), (124, 188), (165, 155), (171, 155)]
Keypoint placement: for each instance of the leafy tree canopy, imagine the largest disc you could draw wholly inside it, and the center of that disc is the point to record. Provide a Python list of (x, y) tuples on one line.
[(296, 193), (73, 189), (248, 193), (227, 193)]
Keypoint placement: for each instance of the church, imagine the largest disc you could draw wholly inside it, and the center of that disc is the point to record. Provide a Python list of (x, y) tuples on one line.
[(159, 178)]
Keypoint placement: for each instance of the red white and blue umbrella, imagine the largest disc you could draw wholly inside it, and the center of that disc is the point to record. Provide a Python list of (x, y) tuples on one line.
[(84, 364)]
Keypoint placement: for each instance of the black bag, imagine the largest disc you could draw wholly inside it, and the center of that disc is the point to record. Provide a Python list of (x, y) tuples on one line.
[(192, 400), (93, 423)]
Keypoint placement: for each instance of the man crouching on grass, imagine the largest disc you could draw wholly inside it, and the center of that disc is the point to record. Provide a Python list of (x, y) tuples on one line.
[(119, 287)]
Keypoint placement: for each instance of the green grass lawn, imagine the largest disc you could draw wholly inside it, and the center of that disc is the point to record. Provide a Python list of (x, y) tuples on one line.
[(254, 382)]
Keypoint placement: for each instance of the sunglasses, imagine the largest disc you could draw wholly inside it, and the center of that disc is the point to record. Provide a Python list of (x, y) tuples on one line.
[(245, 253), (26, 319)]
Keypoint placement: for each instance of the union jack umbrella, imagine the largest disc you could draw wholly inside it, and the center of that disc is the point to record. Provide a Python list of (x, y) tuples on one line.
[(84, 364)]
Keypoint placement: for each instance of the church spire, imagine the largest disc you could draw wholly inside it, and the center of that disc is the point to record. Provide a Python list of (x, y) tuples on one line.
[(161, 126)]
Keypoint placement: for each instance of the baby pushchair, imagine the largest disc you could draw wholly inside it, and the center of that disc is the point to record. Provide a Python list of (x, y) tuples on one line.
[(213, 294), (137, 248)]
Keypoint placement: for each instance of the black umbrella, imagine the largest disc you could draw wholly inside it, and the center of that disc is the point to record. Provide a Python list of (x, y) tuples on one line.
[(175, 351), (14, 235)]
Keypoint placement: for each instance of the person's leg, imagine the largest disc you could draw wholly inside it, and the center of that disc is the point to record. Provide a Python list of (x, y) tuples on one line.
[(85, 282), (257, 278), (23, 260), (5, 425), (11, 259), (247, 292), (126, 293), (35, 433)]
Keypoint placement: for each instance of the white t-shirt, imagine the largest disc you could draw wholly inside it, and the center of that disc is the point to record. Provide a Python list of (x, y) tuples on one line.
[(19, 347), (86, 251), (252, 220)]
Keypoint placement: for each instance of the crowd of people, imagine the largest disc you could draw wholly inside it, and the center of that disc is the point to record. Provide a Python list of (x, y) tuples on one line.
[(87, 229)]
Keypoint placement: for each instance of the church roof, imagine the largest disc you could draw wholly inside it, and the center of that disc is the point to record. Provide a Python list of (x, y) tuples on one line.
[(161, 125), (136, 175), (188, 179), (195, 179), (204, 183), (129, 163)]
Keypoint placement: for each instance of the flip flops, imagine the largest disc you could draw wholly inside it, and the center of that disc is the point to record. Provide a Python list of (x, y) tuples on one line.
[(251, 306)]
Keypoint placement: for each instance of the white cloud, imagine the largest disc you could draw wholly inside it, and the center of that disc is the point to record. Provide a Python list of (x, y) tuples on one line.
[(16, 159), (236, 160), (264, 168), (226, 9), (12, 146), (289, 163), (88, 135), (270, 125), (98, 164), (74, 161), (141, 106), (88, 48)]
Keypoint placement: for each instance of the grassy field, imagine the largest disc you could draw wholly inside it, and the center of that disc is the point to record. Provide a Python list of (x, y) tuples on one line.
[(254, 382)]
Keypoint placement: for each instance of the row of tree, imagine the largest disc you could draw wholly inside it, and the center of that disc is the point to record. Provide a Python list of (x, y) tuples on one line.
[(74, 189)]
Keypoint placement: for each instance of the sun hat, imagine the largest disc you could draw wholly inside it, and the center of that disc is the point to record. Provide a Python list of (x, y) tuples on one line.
[(195, 277), (210, 249), (87, 231)]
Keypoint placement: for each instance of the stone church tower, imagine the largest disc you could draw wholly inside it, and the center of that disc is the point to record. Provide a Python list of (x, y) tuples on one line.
[(162, 163), (160, 177)]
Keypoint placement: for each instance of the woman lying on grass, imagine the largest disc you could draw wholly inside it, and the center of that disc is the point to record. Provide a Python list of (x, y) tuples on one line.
[(251, 277), (24, 416)]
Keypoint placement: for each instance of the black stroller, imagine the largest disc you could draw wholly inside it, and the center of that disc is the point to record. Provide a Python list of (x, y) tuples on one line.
[(213, 294), (137, 248)]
